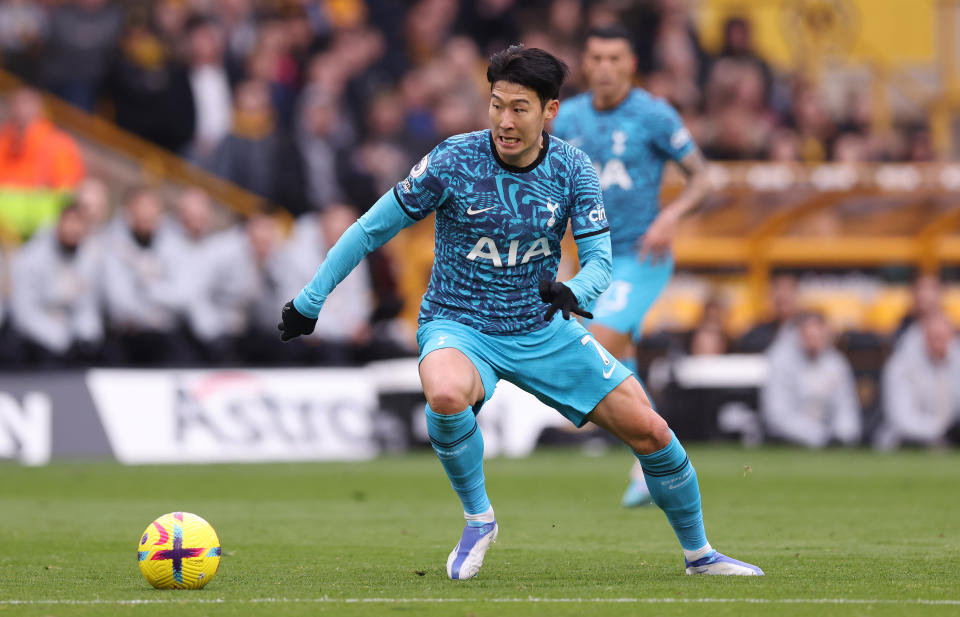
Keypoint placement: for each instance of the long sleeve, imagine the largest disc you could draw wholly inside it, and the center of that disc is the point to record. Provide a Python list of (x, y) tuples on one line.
[(383, 221), (596, 268)]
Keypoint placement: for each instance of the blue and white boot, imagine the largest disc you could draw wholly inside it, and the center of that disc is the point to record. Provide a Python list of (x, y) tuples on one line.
[(467, 556), (717, 563), (636, 495)]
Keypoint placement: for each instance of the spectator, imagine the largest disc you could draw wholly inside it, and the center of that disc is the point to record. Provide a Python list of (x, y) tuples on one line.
[(209, 87), (82, 39), (33, 152), (56, 306), (240, 32), (708, 340), (809, 117), (494, 24), (145, 286), (319, 119), (783, 147), (926, 296), (256, 155), (37, 163), (93, 197), (267, 270), (810, 396), (385, 154), (783, 300), (340, 335), (169, 19), (151, 92), (23, 25), (215, 309), (271, 61), (667, 43), (738, 46), (921, 388), (427, 25)]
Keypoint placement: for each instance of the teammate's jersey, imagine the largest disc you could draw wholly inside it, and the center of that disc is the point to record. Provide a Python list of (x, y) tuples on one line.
[(498, 227), (628, 145)]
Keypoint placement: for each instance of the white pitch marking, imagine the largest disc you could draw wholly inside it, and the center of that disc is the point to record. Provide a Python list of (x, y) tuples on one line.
[(327, 599)]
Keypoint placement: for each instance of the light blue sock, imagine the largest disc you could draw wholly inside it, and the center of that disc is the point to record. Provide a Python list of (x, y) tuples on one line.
[(673, 485), (458, 443)]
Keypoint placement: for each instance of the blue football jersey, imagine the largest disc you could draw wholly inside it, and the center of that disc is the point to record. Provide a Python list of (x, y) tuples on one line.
[(629, 146), (498, 227)]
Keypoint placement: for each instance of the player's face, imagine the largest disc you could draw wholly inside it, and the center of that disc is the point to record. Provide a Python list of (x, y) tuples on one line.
[(516, 122), (609, 66)]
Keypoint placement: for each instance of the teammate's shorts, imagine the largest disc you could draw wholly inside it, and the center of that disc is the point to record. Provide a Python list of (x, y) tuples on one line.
[(562, 364), (633, 290)]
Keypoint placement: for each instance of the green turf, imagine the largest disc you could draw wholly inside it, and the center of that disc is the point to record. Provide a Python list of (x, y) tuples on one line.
[(881, 529)]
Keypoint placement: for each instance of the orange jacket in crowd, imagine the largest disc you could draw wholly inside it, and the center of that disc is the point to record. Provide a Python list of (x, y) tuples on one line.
[(40, 157)]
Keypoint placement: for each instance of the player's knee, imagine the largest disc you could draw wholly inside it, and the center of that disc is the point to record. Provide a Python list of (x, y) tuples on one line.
[(448, 399), (659, 431)]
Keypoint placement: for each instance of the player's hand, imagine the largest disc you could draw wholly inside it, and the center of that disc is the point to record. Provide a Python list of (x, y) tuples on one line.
[(293, 324), (560, 298), (658, 240)]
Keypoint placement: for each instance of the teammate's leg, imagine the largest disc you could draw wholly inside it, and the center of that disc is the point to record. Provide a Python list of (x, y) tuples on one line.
[(452, 386), (626, 412)]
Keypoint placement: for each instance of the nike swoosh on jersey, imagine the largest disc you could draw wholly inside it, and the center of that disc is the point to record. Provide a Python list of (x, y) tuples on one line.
[(470, 210), (606, 374)]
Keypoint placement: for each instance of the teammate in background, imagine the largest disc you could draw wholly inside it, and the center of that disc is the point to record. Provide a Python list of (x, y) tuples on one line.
[(503, 198), (629, 135)]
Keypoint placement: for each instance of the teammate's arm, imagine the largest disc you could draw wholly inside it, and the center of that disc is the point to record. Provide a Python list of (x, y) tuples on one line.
[(659, 237), (372, 230)]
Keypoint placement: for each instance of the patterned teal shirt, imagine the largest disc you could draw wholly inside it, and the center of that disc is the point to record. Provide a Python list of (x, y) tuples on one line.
[(498, 231), (498, 227)]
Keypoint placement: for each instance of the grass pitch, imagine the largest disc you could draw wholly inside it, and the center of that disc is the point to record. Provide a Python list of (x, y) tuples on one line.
[(838, 533)]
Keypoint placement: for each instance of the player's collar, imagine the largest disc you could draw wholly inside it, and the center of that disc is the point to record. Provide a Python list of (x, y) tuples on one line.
[(531, 166)]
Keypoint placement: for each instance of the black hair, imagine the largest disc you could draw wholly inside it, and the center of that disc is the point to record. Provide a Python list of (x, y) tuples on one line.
[(530, 67), (611, 32)]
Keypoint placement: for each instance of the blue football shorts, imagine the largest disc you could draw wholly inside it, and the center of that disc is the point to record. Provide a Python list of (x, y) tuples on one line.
[(635, 287), (561, 364)]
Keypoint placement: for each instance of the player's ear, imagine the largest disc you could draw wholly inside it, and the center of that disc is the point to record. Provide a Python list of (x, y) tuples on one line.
[(550, 109)]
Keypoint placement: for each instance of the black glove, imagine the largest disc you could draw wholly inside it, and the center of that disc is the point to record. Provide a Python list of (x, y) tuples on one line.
[(559, 297), (293, 324)]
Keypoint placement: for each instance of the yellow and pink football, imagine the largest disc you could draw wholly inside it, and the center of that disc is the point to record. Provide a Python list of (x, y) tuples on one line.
[(179, 551)]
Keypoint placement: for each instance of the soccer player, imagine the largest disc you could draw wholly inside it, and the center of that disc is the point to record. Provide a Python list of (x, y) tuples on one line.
[(629, 135), (493, 309)]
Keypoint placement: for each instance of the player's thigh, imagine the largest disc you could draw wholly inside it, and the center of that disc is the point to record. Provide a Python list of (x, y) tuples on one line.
[(564, 367), (626, 412), (616, 342), (451, 382)]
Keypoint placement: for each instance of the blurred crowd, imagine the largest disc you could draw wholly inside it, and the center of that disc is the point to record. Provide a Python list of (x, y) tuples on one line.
[(147, 289), (821, 387), (310, 102)]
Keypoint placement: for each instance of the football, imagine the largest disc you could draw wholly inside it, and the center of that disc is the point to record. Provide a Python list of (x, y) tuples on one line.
[(179, 551)]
